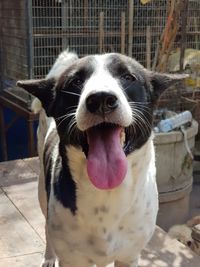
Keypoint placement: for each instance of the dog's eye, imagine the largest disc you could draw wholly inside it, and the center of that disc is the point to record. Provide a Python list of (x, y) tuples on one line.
[(77, 81), (129, 77), (189, 243)]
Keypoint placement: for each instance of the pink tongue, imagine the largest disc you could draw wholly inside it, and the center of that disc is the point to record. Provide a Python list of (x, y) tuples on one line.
[(106, 163)]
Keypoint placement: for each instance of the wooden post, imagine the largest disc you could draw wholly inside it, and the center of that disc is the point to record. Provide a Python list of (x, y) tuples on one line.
[(196, 35), (101, 32), (3, 135), (130, 28), (123, 30), (148, 47), (183, 33)]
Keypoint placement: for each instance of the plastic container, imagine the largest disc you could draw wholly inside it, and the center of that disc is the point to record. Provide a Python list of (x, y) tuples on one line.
[(168, 125), (174, 175)]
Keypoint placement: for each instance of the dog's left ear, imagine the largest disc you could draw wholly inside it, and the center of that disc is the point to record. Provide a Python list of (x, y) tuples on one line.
[(42, 89), (161, 82)]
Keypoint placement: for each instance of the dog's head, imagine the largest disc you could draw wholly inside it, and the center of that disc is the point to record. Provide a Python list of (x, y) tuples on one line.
[(104, 105)]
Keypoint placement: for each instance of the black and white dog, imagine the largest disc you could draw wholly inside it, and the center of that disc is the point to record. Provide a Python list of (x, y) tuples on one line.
[(97, 186)]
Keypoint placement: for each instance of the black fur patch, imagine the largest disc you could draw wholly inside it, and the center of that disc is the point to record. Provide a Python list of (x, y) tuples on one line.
[(68, 92), (64, 185), (60, 176), (136, 88)]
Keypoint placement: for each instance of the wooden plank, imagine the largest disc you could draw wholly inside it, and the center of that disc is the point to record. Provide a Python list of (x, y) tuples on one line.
[(13, 5), (130, 28), (17, 236), (32, 260), (11, 41), (123, 32), (3, 135), (101, 32)]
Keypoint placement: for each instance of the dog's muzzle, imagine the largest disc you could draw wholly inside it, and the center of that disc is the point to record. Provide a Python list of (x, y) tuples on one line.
[(101, 103)]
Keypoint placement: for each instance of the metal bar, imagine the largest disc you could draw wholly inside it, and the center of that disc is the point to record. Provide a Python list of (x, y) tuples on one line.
[(148, 47), (101, 32), (123, 32), (130, 28), (183, 33), (30, 47)]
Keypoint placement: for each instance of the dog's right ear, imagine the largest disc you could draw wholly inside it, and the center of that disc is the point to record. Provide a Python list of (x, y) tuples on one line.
[(43, 89)]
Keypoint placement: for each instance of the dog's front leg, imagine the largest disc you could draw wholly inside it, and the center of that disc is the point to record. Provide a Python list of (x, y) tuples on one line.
[(49, 256)]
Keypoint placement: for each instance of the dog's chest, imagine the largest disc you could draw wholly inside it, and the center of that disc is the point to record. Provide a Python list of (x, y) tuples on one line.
[(107, 222)]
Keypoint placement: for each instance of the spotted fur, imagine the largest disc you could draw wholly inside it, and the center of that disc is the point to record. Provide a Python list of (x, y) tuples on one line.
[(86, 226)]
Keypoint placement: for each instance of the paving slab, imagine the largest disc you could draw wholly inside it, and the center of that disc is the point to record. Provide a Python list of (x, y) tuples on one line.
[(16, 172), (30, 260), (163, 251), (25, 198), (33, 163), (17, 237)]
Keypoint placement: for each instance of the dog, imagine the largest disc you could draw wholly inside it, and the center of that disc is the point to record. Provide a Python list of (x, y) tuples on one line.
[(97, 186)]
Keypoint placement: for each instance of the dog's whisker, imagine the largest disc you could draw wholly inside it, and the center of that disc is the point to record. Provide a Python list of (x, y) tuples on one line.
[(139, 105), (72, 127), (65, 116), (142, 122), (138, 123), (144, 110), (70, 93), (73, 108), (137, 102)]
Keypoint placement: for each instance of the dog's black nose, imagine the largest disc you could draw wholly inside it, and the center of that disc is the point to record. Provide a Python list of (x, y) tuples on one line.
[(101, 103)]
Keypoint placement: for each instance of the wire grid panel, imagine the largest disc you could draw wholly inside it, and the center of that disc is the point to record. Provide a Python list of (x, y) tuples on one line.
[(87, 27), (193, 26), (96, 26), (150, 17)]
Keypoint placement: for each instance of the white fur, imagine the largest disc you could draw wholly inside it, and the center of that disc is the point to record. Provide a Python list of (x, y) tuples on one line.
[(115, 224), (46, 126), (133, 203), (61, 63), (104, 82)]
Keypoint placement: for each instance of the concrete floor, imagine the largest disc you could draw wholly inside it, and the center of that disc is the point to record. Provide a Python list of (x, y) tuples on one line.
[(22, 239)]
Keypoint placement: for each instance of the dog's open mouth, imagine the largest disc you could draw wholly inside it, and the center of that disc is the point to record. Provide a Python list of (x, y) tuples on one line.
[(106, 160)]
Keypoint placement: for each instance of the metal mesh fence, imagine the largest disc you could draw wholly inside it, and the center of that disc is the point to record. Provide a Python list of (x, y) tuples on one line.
[(86, 27), (34, 32), (93, 26)]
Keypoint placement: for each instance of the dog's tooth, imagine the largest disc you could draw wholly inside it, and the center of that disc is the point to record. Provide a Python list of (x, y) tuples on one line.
[(122, 137)]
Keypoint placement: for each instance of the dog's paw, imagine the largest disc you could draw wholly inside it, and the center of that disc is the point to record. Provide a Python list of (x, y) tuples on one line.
[(49, 263)]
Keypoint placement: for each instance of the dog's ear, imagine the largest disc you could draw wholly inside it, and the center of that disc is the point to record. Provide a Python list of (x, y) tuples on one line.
[(43, 89), (162, 81)]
